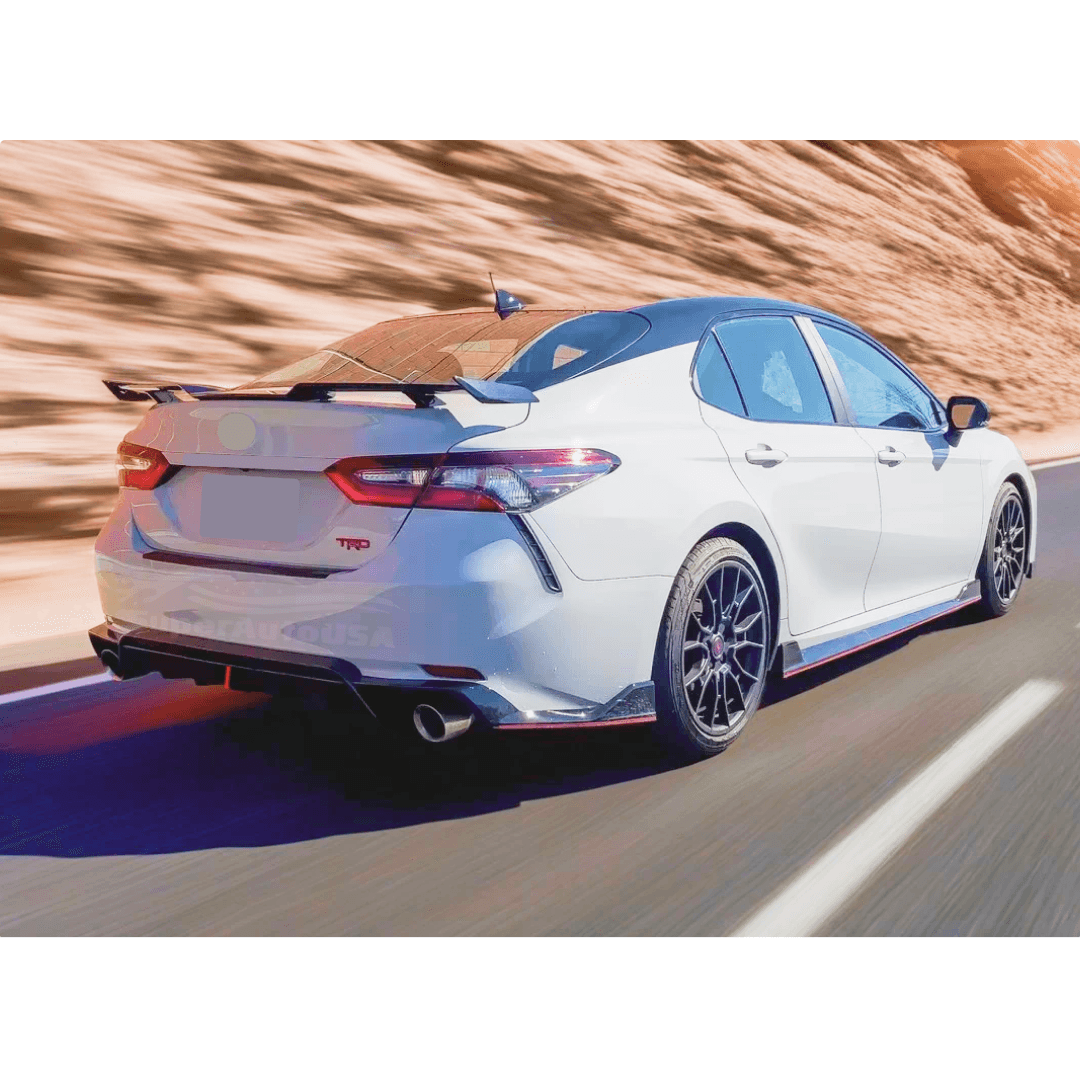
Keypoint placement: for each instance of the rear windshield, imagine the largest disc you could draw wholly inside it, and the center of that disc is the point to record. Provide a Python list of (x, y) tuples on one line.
[(574, 347), (529, 348)]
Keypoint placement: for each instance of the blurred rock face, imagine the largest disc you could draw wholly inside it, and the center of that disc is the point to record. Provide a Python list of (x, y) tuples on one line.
[(217, 261)]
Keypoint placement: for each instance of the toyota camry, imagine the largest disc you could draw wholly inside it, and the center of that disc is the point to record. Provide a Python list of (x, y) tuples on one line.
[(528, 518)]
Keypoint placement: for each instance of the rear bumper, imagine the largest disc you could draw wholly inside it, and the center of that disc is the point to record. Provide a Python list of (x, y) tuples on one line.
[(141, 651), (455, 589)]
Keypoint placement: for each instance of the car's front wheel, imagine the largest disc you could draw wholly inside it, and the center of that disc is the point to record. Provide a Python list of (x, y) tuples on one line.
[(713, 649), (1004, 558)]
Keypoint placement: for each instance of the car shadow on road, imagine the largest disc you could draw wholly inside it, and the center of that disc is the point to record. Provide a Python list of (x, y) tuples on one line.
[(258, 776)]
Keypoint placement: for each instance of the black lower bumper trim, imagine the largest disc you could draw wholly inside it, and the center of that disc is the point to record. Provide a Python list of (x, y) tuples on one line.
[(207, 562), (635, 704), (145, 651)]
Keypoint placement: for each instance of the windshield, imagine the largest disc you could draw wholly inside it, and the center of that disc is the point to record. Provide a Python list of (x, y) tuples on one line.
[(529, 348)]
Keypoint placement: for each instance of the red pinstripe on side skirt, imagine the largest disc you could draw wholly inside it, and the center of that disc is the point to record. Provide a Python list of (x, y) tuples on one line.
[(556, 726), (877, 641)]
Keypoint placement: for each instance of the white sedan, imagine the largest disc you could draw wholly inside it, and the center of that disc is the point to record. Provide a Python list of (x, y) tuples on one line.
[(550, 518)]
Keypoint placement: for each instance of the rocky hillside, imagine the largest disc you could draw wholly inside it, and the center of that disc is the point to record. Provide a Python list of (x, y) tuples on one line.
[(213, 261)]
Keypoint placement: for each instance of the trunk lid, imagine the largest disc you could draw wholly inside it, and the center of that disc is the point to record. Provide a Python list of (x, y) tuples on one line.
[(252, 486)]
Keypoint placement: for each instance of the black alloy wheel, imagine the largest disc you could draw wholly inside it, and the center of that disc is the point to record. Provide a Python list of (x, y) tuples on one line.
[(1004, 559), (713, 650)]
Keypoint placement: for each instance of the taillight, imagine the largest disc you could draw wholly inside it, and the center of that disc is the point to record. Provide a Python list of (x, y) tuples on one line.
[(512, 481), (382, 481), (142, 467), (508, 481)]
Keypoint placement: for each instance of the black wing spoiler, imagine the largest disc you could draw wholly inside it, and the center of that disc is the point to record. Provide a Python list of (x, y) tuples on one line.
[(160, 394), (423, 395)]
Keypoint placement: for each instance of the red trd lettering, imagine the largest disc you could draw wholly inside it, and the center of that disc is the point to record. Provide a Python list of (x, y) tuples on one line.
[(353, 543)]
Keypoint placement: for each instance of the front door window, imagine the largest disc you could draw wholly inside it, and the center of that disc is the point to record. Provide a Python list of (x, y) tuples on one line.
[(881, 394)]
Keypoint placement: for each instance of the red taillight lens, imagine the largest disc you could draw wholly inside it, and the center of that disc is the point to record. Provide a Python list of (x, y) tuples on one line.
[(382, 481), (512, 481), (142, 467), (508, 481)]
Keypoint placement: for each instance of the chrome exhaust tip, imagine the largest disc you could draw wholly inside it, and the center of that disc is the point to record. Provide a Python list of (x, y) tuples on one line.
[(112, 661), (435, 727)]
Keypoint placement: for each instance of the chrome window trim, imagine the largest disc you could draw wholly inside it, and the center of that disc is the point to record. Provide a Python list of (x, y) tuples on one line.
[(830, 373)]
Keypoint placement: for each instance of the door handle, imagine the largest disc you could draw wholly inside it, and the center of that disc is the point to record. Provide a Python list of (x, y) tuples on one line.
[(891, 456), (765, 455)]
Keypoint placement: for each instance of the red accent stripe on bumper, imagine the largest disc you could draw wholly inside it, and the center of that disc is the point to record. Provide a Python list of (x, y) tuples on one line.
[(557, 726)]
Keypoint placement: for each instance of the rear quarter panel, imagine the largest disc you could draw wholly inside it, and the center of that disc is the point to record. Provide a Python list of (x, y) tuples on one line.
[(674, 484)]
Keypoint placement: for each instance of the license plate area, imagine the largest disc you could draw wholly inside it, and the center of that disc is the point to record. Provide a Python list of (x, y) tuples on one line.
[(244, 507)]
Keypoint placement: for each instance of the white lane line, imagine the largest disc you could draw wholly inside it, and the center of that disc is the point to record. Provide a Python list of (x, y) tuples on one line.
[(1054, 464), (814, 895), (53, 688)]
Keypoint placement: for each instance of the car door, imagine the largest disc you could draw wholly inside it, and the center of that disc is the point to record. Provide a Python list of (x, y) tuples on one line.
[(812, 478), (931, 485)]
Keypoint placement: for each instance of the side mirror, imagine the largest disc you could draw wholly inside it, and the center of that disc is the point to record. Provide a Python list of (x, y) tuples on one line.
[(967, 412)]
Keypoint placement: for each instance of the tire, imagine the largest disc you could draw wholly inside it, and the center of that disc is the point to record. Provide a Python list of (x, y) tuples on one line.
[(1004, 558), (701, 659)]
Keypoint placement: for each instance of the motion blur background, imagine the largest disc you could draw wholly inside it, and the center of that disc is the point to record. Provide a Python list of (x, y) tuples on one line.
[(213, 261)]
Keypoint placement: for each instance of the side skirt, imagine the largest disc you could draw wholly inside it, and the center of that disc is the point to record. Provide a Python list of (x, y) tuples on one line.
[(796, 660)]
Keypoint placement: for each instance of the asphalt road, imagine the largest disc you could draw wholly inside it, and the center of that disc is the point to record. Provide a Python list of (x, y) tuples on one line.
[(159, 808)]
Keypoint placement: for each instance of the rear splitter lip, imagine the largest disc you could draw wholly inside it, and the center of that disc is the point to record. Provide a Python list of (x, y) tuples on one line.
[(564, 725), (143, 650)]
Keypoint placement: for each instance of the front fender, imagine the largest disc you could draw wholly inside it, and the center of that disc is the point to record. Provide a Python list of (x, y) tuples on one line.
[(1002, 461)]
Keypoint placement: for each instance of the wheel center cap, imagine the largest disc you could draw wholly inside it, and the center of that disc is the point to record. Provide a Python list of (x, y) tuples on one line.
[(717, 648)]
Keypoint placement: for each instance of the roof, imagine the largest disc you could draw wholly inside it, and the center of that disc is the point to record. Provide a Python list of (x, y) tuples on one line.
[(683, 320), (677, 322)]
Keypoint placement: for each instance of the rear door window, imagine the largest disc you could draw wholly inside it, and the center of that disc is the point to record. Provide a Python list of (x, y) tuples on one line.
[(775, 371), (713, 377)]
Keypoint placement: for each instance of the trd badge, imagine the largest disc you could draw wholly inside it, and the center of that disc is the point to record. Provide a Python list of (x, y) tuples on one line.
[(353, 543)]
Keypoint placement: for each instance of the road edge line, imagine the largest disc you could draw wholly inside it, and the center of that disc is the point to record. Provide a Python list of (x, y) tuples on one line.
[(818, 892), (53, 688), (1054, 464)]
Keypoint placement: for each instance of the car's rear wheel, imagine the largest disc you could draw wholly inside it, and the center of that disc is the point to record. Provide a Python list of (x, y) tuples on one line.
[(1004, 557), (713, 649)]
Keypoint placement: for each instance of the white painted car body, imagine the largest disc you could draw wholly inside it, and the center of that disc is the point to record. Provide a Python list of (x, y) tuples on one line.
[(852, 544)]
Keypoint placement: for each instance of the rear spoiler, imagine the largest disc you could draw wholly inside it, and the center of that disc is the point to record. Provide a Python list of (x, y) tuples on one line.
[(423, 395), (160, 394)]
